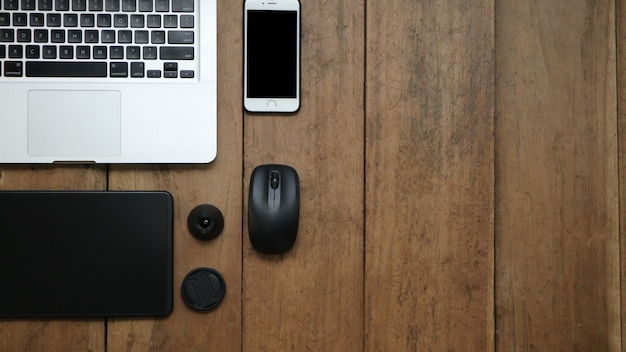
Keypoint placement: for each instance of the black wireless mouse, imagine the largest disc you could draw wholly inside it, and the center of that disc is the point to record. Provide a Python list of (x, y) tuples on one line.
[(273, 208)]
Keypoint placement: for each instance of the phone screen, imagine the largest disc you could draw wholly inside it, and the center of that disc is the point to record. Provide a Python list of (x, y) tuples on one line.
[(272, 54)]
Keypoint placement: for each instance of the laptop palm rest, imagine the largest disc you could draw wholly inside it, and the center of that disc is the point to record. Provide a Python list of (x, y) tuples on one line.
[(74, 123)]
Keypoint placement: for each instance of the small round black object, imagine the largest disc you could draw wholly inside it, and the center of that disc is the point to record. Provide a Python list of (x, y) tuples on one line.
[(205, 222), (203, 289)]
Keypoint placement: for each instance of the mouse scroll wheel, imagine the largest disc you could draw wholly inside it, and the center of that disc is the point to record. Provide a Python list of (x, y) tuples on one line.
[(274, 179)]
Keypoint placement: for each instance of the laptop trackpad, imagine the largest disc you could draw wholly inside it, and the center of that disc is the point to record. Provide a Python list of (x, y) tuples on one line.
[(74, 123)]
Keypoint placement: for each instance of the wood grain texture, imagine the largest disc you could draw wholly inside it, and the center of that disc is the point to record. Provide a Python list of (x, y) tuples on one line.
[(557, 192), (620, 14), (430, 175), (311, 298), (185, 329), (219, 184), (407, 219), (52, 335)]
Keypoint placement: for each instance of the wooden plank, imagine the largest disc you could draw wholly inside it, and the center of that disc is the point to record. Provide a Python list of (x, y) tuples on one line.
[(620, 14), (430, 175), (219, 184), (52, 335), (311, 298), (557, 283)]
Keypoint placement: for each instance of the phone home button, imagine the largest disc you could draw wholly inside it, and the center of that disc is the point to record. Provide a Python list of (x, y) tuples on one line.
[(271, 104)]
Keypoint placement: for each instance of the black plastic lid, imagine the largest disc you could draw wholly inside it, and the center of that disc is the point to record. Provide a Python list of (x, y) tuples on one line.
[(205, 222), (203, 289)]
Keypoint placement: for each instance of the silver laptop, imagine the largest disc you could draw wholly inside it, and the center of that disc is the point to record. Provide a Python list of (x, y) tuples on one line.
[(108, 81)]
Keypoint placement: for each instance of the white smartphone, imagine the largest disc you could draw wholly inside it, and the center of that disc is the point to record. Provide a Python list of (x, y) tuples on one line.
[(271, 78)]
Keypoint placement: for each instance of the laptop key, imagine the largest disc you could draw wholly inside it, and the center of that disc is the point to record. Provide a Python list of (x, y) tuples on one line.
[(41, 36), (75, 36), (13, 69), (5, 19), (20, 19), (182, 5), (149, 52), (180, 37), (7, 35), (154, 21), (129, 5), (104, 20), (99, 52), (177, 53), (53, 20), (49, 52), (10, 4), (24, 35), (36, 19), (79, 5), (83, 52), (92, 36), (137, 21), (120, 21), (170, 74), (186, 74), (15, 52), (186, 21), (28, 4), (157, 37), (112, 5), (66, 52), (65, 69), (125, 37), (133, 52), (142, 37), (70, 20), (44, 5), (116, 52), (62, 5), (119, 69), (154, 73), (57, 36), (96, 5), (108, 36), (137, 69), (32, 51), (87, 20), (162, 6), (170, 21), (146, 5)]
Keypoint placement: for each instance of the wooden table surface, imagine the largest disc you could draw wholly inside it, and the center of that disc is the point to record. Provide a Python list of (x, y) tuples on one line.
[(460, 174)]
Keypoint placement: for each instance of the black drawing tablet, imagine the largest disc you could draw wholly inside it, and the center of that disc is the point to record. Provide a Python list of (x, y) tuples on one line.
[(85, 254)]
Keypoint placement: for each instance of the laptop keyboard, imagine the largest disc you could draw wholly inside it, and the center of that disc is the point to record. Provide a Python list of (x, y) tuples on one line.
[(124, 39)]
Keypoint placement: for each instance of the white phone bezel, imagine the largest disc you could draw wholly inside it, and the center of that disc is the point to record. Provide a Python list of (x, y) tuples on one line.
[(270, 104)]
